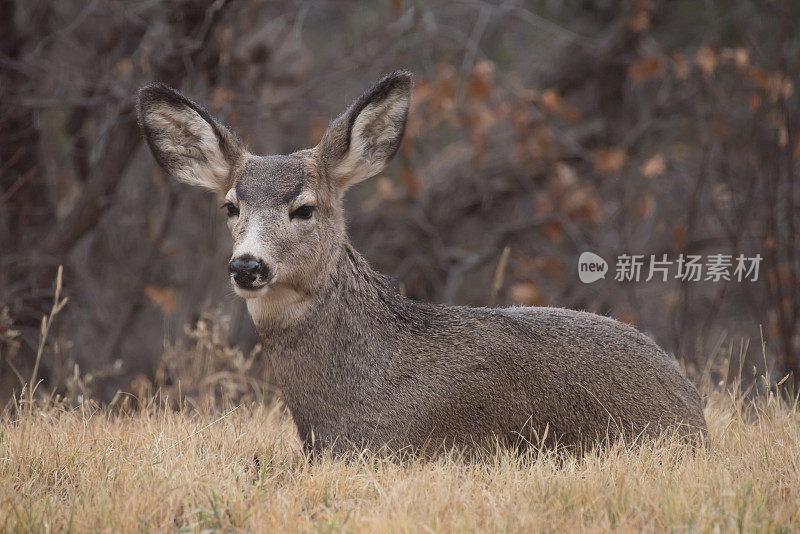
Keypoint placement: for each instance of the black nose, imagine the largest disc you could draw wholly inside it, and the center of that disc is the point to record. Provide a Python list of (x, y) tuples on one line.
[(247, 270)]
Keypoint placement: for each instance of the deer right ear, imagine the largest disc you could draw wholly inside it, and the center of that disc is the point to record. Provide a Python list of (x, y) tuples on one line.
[(187, 143), (362, 141)]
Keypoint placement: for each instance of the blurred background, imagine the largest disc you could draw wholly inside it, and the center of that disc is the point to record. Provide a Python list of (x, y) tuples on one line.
[(541, 128)]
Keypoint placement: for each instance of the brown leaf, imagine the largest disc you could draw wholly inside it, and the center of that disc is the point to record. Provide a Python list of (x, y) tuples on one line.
[(647, 68), (317, 126), (526, 293), (123, 68), (580, 204), (739, 56), (654, 166), (554, 231), (550, 100), (680, 237), (423, 89), (542, 205), (783, 136), (222, 96), (444, 92), (397, 8), (565, 178), (481, 82), (386, 189), (679, 65), (640, 20), (551, 265), (646, 206), (627, 317), (163, 297), (706, 60), (779, 85), (754, 102), (610, 160), (407, 177), (759, 77), (570, 113), (528, 96)]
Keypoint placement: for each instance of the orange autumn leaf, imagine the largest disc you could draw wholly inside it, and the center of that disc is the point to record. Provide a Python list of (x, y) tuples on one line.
[(408, 178), (647, 68), (123, 67), (570, 113), (654, 166), (738, 56), (640, 20), (680, 237), (610, 160), (554, 231), (565, 178), (627, 317), (222, 96), (646, 206), (759, 77), (481, 82), (316, 127), (754, 102), (581, 204), (550, 100), (526, 293), (741, 57), (551, 265), (679, 65), (706, 60), (163, 297)]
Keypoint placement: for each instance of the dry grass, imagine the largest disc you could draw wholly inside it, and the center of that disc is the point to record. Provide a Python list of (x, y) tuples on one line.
[(88, 469)]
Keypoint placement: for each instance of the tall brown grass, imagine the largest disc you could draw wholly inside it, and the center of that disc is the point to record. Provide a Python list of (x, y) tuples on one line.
[(153, 468)]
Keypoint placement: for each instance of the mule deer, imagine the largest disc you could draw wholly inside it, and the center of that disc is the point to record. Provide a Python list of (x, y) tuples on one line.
[(360, 365)]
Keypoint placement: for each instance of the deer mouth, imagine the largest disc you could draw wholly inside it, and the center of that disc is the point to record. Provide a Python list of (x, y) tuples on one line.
[(251, 292)]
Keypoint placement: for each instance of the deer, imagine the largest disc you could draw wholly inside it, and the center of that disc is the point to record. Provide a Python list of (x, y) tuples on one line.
[(362, 367)]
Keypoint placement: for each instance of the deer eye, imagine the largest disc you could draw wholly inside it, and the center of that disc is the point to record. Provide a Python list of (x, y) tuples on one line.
[(233, 211), (303, 212)]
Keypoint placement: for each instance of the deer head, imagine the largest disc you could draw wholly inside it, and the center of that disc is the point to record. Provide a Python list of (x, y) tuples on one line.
[(284, 211)]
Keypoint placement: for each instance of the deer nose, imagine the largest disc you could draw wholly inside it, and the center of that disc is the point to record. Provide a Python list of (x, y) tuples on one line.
[(246, 270)]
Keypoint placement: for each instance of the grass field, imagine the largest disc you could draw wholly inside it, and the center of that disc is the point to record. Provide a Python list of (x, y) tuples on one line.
[(87, 469)]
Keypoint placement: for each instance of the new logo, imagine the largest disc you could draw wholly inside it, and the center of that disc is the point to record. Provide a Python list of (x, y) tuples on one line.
[(591, 267)]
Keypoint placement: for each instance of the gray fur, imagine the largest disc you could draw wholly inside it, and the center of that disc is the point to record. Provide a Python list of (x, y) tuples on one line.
[(359, 365)]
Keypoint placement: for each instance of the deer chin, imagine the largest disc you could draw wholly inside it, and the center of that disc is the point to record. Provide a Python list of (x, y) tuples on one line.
[(251, 293), (280, 305)]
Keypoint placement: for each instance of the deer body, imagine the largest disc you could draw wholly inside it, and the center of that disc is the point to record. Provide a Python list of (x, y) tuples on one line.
[(359, 365), (369, 367)]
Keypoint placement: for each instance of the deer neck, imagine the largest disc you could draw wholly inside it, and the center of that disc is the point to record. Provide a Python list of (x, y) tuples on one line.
[(347, 293), (338, 343)]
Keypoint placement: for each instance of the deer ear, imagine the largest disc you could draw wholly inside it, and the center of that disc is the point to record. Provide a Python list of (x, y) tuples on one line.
[(362, 141), (189, 144)]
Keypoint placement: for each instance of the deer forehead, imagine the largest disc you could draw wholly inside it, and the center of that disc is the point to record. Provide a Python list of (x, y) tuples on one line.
[(276, 180)]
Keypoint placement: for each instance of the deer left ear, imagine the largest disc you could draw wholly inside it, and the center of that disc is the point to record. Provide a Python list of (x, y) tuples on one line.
[(362, 141)]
